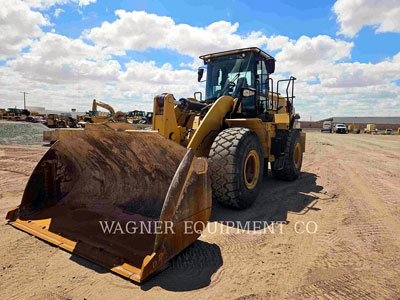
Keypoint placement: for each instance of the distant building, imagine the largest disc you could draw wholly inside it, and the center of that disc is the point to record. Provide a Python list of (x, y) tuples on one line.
[(364, 120), (36, 109), (382, 123), (43, 110)]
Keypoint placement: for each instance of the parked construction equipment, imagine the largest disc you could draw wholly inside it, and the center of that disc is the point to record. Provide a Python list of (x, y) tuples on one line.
[(95, 116), (139, 117), (3, 112), (14, 114), (216, 148), (353, 128), (371, 129), (54, 121)]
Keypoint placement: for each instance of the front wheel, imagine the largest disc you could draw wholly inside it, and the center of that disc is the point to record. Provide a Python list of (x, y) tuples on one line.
[(236, 166)]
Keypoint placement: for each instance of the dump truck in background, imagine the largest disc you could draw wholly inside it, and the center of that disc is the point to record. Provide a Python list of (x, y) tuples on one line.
[(218, 148)]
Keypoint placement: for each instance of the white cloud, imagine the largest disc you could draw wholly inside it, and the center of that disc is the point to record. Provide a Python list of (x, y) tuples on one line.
[(57, 59), (62, 72), (18, 25), (305, 53), (147, 78), (352, 15), (138, 30), (46, 4), (57, 12)]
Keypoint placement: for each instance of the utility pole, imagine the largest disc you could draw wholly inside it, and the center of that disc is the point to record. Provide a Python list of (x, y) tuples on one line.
[(24, 99)]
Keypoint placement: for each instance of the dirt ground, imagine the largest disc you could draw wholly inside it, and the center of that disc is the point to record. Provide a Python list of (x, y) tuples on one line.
[(349, 188)]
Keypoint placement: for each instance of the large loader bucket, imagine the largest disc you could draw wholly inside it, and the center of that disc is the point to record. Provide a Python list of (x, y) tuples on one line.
[(127, 200)]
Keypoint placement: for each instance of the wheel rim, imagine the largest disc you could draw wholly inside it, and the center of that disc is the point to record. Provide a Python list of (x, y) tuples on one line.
[(251, 169), (297, 155)]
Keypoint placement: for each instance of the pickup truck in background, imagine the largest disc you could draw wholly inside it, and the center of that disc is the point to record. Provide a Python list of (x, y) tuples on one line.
[(340, 128)]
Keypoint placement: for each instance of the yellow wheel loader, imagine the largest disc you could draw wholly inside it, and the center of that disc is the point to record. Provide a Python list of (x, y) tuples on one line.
[(130, 200), (137, 117)]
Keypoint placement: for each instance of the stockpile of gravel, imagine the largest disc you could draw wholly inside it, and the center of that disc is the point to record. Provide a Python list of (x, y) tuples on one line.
[(21, 133)]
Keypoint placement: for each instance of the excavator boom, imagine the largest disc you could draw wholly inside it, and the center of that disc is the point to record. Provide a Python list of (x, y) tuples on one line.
[(103, 105)]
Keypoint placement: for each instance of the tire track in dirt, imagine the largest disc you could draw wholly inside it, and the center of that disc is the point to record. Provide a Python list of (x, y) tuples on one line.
[(354, 255), (385, 190), (18, 256), (347, 286), (351, 246)]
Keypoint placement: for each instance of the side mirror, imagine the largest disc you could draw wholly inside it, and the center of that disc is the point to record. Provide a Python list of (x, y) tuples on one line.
[(200, 73), (270, 65), (247, 92)]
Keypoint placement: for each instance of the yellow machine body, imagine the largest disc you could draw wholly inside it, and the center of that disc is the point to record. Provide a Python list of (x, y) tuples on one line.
[(111, 173), (199, 133), (371, 128)]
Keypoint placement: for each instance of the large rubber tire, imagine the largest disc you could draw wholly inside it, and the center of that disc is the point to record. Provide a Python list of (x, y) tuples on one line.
[(233, 150), (291, 161)]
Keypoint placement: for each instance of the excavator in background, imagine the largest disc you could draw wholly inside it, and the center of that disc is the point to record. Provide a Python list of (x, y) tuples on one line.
[(165, 179), (95, 116)]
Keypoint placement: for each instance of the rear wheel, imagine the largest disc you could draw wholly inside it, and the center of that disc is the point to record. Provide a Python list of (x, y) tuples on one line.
[(288, 166), (236, 166)]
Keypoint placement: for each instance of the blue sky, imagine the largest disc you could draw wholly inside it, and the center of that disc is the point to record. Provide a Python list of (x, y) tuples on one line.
[(66, 51), (289, 18)]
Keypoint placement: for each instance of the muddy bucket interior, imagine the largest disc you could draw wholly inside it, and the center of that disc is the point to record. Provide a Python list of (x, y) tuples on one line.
[(117, 198)]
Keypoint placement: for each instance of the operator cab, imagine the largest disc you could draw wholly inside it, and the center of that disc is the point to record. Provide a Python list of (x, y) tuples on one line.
[(245, 74)]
